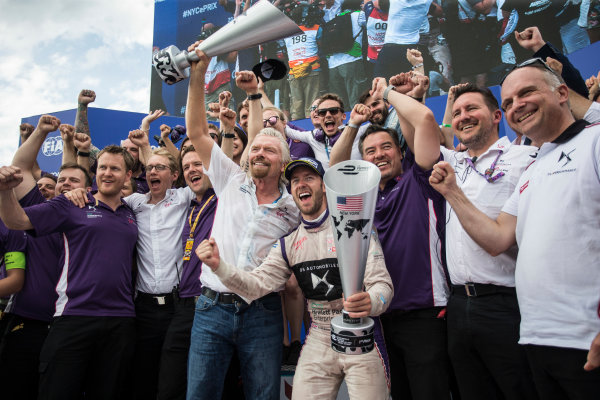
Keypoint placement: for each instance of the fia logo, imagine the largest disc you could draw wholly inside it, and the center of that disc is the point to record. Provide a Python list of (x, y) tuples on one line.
[(52, 146)]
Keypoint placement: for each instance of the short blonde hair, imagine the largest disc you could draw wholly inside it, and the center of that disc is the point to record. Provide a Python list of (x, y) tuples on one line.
[(173, 164)]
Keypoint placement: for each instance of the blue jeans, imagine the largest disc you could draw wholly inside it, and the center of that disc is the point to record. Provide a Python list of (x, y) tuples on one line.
[(254, 330)]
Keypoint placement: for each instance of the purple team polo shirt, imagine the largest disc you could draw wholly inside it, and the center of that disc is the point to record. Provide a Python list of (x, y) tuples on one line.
[(409, 217), (98, 253), (37, 298), (299, 149), (191, 269)]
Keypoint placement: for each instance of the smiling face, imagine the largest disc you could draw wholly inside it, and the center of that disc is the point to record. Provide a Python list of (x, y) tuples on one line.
[(69, 179), (193, 172), (379, 110), (308, 191), (379, 148), (532, 107), (46, 187), (159, 176), (265, 157), (272, 118), (111, 174), (314, 116), (475, 125), (331, 120)]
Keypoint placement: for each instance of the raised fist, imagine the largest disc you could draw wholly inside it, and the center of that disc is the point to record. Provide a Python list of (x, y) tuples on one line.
[(139, 138), (25, 131), (10, 177), (247, 81), (377, 89), (67, 132), (48, 123), (82, 142), (360, 114), (86, 96)]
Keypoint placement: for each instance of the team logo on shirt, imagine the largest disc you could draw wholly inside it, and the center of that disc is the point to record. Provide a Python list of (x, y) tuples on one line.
[(92, 213), (566, 157)]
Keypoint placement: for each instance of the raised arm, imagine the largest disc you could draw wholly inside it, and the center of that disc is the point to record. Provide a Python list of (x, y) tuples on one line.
[(342, 149), (227, 119), (140, 139), (195, 111), (11, 212), (83, 143), (67, 132), (248, 82), (25, 156), (495, 237), (424, 137), (81, 118), (165, 130)]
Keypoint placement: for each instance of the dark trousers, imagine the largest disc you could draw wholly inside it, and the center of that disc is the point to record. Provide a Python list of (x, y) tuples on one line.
[(172, 379), (558, 373), (152, 321), (88, 355), (417, 348), (483, 335), (21, 341)]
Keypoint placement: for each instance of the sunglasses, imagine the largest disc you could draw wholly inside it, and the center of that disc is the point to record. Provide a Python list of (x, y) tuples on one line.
[(333, 110), (312, 108), (271, 121), (532, 62)]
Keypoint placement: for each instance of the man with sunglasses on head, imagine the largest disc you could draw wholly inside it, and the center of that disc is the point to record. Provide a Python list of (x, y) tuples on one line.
[(483, 314), (330, 111), (274, 118), (557, 276)]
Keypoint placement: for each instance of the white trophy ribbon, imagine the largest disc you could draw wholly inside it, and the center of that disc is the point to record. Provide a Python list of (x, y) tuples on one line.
[(351, 197)]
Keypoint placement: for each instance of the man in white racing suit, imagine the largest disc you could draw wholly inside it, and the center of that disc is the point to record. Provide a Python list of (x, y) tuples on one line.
[(309, 252)]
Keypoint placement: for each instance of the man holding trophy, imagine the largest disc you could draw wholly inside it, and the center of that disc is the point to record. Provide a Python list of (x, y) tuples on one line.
[(310, 253)]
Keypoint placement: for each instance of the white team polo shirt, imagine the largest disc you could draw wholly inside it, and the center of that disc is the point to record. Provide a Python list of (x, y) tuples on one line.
[(467, 261), (159, 250), (244, 230), (557, 204)]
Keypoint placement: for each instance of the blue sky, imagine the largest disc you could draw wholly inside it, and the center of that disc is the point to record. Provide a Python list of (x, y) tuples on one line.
[(50, 50)]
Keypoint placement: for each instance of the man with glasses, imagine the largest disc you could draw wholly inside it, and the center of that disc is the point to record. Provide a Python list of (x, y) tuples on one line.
[(483, 314), (557, 276)]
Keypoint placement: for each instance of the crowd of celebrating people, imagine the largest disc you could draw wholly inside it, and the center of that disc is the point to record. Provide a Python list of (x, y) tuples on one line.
[(142, 273)]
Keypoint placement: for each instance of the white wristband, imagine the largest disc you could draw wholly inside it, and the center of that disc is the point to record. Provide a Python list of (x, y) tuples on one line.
[(351, 125)]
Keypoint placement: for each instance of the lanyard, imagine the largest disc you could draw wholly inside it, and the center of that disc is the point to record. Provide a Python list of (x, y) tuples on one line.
[(488, 175), (193, 227)]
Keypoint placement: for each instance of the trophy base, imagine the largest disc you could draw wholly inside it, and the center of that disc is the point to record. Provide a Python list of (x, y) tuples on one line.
[(352, 335)]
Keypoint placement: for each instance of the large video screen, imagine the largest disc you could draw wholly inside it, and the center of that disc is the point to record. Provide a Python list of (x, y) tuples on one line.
[(460, 41)]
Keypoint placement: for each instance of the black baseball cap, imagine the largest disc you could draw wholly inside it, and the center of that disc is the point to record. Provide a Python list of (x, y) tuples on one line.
[(315, 165)]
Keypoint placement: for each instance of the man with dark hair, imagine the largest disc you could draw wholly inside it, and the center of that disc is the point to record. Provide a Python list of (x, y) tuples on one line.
[(330, 110), (306, 254), (556, 272), (46, 185), (483, 314), (29, 313), (90, 344), (408, 219)]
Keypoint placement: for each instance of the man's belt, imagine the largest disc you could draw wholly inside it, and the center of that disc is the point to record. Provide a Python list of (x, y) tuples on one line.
[(223, 298), (481, 289), (159, 299)]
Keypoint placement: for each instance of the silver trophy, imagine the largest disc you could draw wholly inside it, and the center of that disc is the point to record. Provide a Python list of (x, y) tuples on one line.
[(261, 23), (351, 196)]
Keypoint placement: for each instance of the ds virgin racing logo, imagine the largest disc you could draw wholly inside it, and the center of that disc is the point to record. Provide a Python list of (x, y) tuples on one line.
[(564, 159)]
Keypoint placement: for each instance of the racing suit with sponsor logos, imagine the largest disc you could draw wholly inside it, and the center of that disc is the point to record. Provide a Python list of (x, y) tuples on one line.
[(309, 252)]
